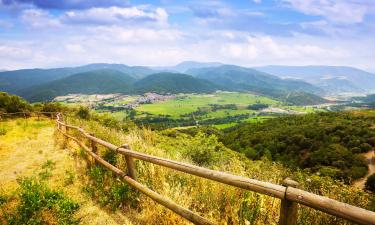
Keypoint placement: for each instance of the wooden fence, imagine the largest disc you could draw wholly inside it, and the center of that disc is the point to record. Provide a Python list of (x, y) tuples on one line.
[(289, 193)]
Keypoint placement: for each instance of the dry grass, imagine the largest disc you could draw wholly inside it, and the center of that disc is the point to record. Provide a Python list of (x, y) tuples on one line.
[(27, 145)]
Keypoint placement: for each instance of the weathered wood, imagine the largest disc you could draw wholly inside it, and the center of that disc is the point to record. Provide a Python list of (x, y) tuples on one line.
[(330, 206), (185, 213), (288, 209)]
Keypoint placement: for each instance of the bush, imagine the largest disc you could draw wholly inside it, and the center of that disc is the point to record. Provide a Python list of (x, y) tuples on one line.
[(13, 103), (3, 131), (204, 151), (37, 199), (83, 113), (370, 183)]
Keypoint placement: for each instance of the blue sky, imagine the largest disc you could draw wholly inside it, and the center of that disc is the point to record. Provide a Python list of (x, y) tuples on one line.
[(50, 33)]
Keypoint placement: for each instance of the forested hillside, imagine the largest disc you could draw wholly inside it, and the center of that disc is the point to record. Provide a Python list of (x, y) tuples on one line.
[(328, 143), (94, 82), (163, 83), (246, 79)]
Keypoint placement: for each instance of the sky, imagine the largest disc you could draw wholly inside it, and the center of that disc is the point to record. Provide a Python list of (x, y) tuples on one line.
[(56, 33)]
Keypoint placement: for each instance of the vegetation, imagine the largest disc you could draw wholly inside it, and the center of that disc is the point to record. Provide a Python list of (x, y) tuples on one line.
[(370, 183), (303, 98), (36, 203), (12, 103), (328, 143)]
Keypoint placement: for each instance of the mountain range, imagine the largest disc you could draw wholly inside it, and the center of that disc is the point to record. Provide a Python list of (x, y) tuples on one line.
[(333, 79), (186, 77)]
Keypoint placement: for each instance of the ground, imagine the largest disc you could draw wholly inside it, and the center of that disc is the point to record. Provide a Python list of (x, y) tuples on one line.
[(27, 145)]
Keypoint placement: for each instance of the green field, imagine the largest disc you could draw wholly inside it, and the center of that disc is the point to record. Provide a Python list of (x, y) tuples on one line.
[(186, 104)]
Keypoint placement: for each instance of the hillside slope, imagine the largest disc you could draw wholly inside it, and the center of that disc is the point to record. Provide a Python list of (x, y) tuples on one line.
[(220, 203), (332, 78), (94, 82), (245, 79), (18, 80), (173, 83)]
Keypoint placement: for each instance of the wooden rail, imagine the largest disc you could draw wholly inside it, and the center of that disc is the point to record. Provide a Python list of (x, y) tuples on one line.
[(289, 194)]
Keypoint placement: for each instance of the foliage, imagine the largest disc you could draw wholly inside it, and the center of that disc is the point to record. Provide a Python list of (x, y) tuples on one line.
[(257, 106), (328, 143), (12, 103), (83, 113), (108, 191), (370, 183), (36, 203)]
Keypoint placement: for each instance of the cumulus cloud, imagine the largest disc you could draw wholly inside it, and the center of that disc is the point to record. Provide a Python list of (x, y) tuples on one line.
[(116, 15), (66, 4), (340, 11), (39, 18)]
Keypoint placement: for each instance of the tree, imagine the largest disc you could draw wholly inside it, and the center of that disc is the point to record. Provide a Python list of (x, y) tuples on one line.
[(13, 103)]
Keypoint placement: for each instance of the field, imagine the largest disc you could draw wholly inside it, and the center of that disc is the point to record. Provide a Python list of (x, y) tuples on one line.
[(186, 104)]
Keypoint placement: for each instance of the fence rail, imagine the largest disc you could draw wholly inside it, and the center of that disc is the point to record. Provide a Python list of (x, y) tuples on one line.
[(289, 194)]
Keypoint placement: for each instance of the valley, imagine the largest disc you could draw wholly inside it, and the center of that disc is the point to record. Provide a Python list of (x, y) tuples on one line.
[(221, 109)]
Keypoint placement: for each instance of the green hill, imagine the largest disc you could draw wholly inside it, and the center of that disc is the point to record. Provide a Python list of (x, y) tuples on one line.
[(173, 83), (16, 81), (328, 143), (303, 98), (94, 82), (245, 79)]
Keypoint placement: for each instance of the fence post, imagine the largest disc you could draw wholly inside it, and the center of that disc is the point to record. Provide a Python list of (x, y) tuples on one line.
[(94, 150), (288, 209), (130, 164)]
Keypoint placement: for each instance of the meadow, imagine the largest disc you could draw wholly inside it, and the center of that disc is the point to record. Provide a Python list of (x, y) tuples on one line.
[(186, 104)]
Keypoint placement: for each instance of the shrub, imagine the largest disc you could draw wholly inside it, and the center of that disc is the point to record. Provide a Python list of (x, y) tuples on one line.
[(83, 113), (204, 151), (3, 131), (370, 183), (37, 199)]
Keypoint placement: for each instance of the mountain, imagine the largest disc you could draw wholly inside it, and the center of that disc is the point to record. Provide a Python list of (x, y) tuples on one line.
[(186, 65), (331, 78), (173, 83), (94, 82), (134, 71), (17, 80), (246, 79)]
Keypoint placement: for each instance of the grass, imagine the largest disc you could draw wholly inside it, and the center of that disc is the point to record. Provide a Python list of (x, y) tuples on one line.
[(185, 104)]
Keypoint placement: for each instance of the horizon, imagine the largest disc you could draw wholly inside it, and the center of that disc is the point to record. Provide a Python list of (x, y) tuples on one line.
[(249, 33), (165, 67)]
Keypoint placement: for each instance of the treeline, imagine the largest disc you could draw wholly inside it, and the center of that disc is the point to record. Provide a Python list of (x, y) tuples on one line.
[(326, 143)]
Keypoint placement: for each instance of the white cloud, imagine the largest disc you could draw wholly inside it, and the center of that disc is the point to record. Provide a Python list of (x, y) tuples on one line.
[(339, 11), (38, 18), (116, 15)]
